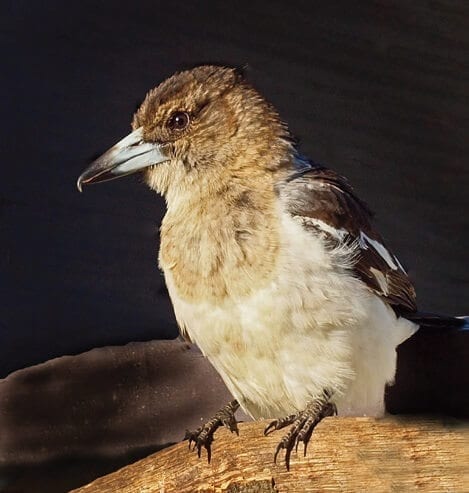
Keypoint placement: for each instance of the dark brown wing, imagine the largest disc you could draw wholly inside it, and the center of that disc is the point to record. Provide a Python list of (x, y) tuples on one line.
[(328, 206)]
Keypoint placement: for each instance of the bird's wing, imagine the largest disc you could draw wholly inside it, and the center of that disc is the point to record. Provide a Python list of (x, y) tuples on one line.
[(327, 205)]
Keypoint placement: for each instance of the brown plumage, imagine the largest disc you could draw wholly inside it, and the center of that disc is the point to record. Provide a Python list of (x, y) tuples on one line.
[(234, 201)]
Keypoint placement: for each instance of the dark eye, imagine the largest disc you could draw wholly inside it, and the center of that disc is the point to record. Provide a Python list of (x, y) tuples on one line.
[(178, 121)]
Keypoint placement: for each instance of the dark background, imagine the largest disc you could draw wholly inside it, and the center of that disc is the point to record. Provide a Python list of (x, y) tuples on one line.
[(377, 90)]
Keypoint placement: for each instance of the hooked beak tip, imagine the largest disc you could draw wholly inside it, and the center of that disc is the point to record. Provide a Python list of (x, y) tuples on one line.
[(79, 186)]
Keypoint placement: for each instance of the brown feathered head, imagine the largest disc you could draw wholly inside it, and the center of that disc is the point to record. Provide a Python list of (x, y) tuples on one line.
[(199, 127)]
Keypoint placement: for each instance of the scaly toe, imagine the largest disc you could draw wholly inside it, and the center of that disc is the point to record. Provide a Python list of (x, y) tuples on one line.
[(203, 436), (278, 424)]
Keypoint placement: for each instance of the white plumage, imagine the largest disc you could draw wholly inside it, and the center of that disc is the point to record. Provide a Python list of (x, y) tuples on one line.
[(314, 326)]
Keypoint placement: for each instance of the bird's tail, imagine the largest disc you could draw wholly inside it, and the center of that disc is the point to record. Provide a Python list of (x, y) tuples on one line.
[(435, 321)]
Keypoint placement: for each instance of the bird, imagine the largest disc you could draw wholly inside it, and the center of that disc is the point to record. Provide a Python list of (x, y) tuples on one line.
[(273, 264)]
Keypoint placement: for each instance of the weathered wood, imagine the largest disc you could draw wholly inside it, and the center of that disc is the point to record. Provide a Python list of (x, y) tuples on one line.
[(345, 454)]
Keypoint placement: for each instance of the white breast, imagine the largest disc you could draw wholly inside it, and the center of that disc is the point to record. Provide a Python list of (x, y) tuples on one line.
[(312, 327)]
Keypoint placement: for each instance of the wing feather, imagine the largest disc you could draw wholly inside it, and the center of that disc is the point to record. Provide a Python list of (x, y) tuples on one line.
[(327, 205)]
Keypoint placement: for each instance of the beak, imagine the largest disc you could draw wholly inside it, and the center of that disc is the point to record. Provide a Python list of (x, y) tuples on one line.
[(129, 155)]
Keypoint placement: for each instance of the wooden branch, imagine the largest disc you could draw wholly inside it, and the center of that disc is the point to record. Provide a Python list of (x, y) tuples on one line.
[(345, 454)]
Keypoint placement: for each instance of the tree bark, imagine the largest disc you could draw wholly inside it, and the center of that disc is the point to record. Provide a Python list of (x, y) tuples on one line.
[(395, 454)]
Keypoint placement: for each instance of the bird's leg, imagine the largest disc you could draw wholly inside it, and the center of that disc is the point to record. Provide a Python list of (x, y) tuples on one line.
[(303, 424), (203, 436)]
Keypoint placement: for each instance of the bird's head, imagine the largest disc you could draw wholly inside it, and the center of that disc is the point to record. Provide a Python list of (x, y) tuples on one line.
[(198, 128)]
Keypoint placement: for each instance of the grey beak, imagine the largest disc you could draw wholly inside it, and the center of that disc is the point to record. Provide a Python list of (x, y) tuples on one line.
[(128, 156)]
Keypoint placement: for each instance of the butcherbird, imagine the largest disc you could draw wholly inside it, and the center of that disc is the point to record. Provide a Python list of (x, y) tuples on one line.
[(272, 263)]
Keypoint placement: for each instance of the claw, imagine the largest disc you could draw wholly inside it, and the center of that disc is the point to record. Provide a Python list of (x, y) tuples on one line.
[(287, 457), (271, 427), (303, 426), (287, 445), (203, 436), (297, 443), (277, 450), (192, 436), (278, 424)]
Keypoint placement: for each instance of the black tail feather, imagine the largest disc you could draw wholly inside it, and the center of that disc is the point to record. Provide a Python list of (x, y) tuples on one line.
[(435, 321)]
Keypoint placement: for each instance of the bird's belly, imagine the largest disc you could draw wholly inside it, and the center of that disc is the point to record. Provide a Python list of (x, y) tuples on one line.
[(312, 326), (279, 348)]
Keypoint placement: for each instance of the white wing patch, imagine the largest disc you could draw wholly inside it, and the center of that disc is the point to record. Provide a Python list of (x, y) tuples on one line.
[(391, 260), (339, 234), (381, 279), (324, 203)]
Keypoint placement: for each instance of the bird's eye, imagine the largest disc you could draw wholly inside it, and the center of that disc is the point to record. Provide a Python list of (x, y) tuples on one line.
[(178, 121)]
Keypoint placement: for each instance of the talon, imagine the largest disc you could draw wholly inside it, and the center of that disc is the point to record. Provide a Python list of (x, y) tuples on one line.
[(271, 427), (287, 457), (278, 424), (277, 450), (203, 436), (303, 425)]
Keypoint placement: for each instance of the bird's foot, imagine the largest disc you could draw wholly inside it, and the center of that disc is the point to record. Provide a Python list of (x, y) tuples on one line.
[(303, 424), (203, 436)]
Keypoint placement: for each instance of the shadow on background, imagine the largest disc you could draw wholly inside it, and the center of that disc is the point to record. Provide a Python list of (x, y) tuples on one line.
[(64, 475)]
